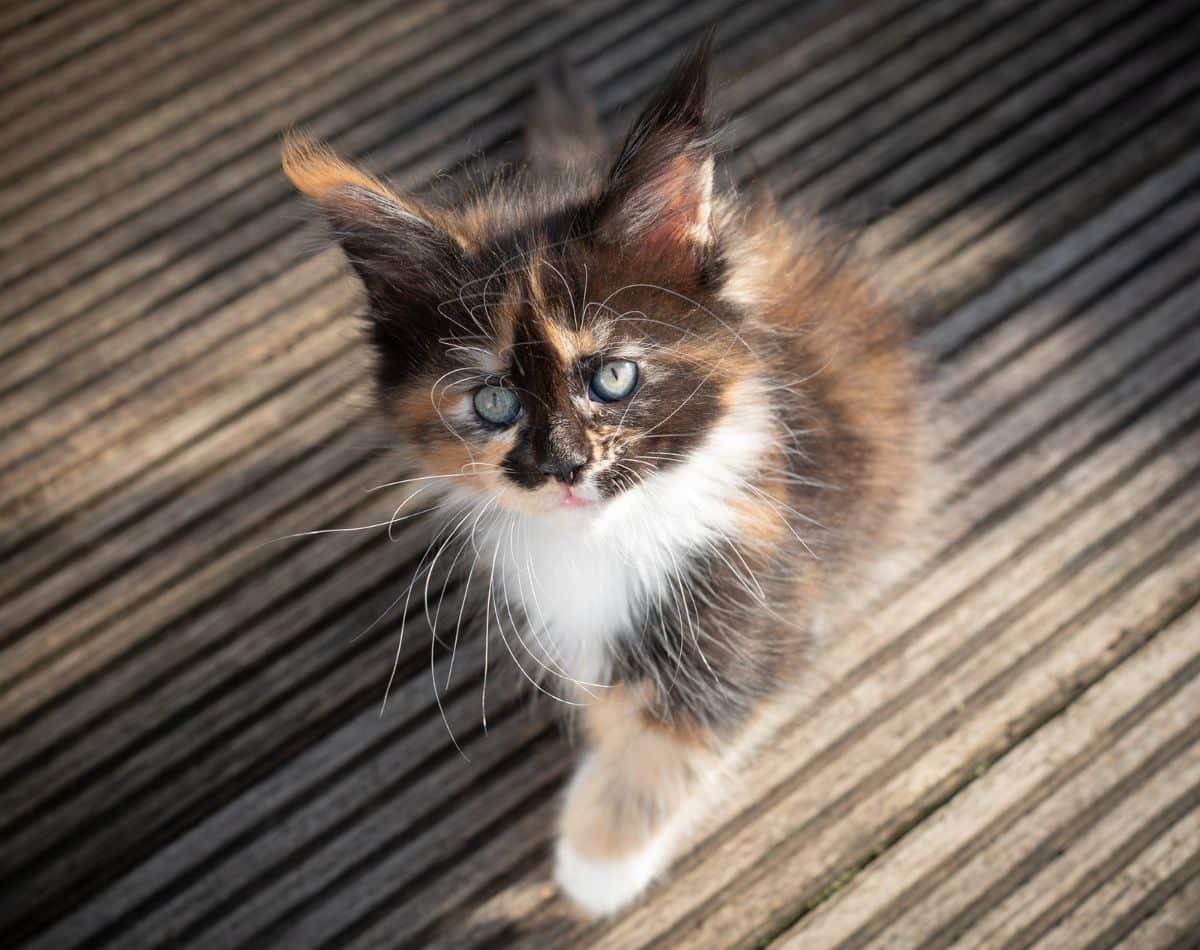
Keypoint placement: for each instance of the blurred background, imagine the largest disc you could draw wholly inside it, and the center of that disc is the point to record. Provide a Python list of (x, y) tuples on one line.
[(1003, 751)]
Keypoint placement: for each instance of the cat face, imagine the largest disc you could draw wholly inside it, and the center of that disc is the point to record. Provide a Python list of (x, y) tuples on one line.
[(564, 392), (550, 346)]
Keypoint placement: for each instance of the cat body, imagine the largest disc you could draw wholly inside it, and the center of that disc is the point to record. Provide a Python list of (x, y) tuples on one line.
[(671, 431)]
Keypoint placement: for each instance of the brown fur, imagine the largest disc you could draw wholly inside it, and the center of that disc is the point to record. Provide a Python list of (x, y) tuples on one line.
[(738, 323)]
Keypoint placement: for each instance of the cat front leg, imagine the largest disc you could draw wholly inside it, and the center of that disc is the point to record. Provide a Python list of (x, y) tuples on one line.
[(633, 801)]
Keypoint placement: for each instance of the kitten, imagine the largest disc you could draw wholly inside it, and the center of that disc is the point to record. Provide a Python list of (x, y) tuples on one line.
[(677, 430)]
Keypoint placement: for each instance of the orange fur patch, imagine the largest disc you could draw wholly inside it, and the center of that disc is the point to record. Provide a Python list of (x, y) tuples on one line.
[(642, 772), (317, 171)]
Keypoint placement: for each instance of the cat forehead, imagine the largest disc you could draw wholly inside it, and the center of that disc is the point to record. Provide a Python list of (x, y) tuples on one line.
[(526, 320), (558, 312), (523, 336)]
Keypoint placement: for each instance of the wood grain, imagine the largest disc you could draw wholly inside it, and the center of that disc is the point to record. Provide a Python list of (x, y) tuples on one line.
[(1002, 750)]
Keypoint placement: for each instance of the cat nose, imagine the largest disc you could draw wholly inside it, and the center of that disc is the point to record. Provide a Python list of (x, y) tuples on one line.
[(564, 470)]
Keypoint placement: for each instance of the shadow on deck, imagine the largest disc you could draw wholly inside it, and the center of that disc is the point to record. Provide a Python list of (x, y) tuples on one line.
[(1005, 751)]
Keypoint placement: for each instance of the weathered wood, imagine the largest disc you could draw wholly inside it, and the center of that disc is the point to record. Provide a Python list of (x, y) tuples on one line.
[(77, 30), (222, 37), (1080, 94), (917, 106), (1138, 890), (193, 748), (1070, 259), (313, 50), (969, 844), (81, 82), (1165, 794), (1171, 924)]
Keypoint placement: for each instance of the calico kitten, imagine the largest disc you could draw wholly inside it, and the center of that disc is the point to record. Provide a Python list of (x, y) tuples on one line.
[(676, 428)]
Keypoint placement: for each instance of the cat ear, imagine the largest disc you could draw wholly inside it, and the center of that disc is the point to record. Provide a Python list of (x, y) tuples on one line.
[(402, 251), (659, 194)]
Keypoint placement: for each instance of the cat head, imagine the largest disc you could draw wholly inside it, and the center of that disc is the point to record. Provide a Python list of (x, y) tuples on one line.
[(556, 345)]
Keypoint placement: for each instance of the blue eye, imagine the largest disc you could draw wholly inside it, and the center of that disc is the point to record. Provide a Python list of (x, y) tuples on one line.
[(497, 405), (614, 380)]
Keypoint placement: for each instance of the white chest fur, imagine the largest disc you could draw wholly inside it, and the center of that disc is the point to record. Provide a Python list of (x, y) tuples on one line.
[(586, 578)]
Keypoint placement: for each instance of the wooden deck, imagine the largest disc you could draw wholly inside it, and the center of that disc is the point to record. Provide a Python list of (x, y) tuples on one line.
[(1005, 752)]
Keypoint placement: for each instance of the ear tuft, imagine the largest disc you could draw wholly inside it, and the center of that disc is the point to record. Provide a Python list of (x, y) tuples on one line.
[(659, 194), (318, 172), (405, 255)]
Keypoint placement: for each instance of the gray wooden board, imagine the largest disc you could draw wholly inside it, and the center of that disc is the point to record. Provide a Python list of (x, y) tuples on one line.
[(194, 752)]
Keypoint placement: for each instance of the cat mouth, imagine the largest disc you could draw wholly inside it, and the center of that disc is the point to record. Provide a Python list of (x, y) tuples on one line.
[(571, 500)]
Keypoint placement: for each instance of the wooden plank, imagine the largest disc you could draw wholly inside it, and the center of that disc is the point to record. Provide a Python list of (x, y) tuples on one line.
[(292, 49), (1173, 924), (917, 107), (944, 864), (973, 325), (179, 684), (73, 33), (1139, 890), (82, 82), (482, 72), (199, 178), (1162, 291), (23, 15), (270, 436), (1093, 116), (1147, 245), (840, 89), (145, 465), (1162, 801), (182, 140), (1068, 204), (409, 763), (999, 84)]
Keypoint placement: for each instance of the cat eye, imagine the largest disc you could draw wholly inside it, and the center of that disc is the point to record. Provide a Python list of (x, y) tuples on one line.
[(497, 405), (614, 380)]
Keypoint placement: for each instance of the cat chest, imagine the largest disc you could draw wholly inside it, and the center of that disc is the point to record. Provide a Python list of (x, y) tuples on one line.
[(578, 602)]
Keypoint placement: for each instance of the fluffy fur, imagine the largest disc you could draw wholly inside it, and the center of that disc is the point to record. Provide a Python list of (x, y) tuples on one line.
[(660, 561)]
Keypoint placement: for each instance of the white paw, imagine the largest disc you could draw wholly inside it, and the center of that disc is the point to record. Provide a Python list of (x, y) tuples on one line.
[(604, 886)]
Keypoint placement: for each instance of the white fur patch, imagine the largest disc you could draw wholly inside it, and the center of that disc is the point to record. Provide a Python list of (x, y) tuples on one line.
[(603, 887), (584, 576)]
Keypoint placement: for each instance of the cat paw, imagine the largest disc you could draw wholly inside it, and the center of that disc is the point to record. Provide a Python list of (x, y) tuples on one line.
[(603, 886)]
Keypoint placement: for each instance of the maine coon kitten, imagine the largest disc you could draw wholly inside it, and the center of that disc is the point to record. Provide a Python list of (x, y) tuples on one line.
[(679, 427)]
